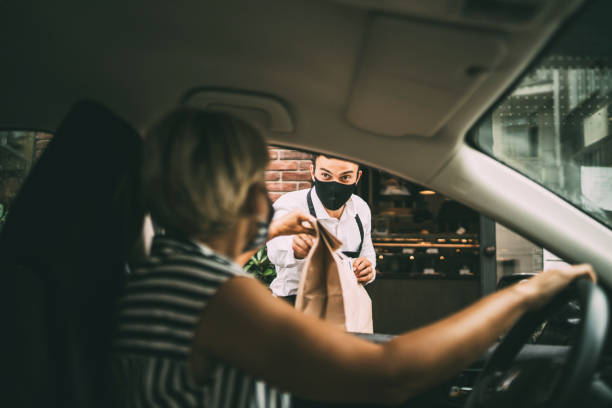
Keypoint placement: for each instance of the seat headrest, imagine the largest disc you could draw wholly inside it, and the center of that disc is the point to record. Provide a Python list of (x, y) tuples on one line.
[(69, 230), (78, 193)]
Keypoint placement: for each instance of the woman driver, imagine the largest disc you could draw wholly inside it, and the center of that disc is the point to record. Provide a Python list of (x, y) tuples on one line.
[(194, 330)]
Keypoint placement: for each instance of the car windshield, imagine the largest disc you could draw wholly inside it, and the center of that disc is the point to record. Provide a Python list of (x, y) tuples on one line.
[(554, 126)]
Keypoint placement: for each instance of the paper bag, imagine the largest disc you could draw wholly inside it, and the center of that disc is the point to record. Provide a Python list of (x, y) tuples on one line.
[(329, 289), (357, 302)]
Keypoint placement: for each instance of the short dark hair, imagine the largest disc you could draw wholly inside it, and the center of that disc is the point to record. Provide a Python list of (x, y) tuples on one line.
[(315, 156)]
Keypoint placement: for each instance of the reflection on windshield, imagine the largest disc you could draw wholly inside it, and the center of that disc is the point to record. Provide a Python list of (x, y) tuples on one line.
[(555, 125)]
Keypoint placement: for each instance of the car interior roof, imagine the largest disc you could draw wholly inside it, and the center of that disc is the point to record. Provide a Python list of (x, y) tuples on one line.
[(414, 73)]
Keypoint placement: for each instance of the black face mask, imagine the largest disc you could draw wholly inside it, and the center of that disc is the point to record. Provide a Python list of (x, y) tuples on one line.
[(260, 237), (332, 194)]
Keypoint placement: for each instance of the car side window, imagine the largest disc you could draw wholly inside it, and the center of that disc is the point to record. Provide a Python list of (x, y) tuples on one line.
[(18, 152), (555, 124)]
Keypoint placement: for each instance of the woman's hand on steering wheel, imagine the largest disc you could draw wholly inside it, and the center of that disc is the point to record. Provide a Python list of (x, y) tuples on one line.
[(541, 288)]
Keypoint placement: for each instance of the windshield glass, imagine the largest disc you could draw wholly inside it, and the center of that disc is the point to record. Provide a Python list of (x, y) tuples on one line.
[(555, 125)]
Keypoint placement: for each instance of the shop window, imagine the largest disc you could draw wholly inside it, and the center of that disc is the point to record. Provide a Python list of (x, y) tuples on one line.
[(18, 151), (418, 232)]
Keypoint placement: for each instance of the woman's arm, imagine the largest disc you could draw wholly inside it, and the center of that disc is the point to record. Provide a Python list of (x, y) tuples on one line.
[(290, 223), (246, 327)]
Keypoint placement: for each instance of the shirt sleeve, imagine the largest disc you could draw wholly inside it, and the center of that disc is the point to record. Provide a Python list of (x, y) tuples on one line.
[(280, 251), (368, 248)]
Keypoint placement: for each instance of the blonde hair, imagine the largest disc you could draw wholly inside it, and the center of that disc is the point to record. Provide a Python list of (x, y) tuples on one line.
[(197, 169)]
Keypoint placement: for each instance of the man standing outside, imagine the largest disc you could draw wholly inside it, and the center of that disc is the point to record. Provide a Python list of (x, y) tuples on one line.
[(344, 214)]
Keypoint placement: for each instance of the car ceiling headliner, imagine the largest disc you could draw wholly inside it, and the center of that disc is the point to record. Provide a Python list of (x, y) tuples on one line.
[(140, 58)]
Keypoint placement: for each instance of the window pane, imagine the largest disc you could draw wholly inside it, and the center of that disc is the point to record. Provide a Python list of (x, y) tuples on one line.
[(555, 126), (515, 254)]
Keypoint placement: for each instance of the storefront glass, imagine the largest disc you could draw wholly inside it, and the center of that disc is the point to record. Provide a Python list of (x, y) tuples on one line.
[(418, 232)]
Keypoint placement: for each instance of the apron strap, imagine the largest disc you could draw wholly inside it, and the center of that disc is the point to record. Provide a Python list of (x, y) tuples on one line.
[(310, 204), (350, 254)]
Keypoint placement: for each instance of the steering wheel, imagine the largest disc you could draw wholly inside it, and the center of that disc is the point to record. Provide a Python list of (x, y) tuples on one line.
[(507, 382)]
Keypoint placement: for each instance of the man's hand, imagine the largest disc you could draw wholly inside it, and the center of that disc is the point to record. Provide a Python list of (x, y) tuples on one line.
[(301, 245), (363, 269), (295, 222)]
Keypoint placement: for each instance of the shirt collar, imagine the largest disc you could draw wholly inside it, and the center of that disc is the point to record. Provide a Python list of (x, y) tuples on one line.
[(209, 251), (349, 209), (173, 242), (164, 243)]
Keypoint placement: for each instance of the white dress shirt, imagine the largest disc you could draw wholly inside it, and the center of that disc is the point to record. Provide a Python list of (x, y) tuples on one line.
[(280, 251)]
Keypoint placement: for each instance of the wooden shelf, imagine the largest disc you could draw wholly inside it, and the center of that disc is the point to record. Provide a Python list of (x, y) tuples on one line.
[(424, 245)]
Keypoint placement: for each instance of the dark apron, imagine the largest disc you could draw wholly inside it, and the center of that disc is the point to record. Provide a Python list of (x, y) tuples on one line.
[(350, 254)]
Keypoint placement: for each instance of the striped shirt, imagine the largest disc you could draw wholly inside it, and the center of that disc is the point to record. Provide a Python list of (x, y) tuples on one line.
[(158, 313)]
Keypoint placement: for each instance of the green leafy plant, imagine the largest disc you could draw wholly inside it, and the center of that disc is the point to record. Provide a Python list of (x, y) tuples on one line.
[(260, 266)]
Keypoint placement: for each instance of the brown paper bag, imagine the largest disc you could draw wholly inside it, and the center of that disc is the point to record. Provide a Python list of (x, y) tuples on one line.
[(357, 302), (329, 289)]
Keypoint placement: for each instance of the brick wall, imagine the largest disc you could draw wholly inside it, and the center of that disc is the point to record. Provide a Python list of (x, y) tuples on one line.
[(289, 170)]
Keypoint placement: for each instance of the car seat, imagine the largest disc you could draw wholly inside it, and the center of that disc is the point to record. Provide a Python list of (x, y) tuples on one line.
[(63, 251)]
